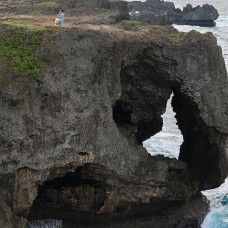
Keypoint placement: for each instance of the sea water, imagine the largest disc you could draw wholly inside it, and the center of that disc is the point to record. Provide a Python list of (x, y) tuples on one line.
[(169, 140), (47, 223)]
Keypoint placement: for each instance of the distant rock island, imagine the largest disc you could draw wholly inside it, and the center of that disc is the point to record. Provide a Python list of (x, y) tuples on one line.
[(164, 13)]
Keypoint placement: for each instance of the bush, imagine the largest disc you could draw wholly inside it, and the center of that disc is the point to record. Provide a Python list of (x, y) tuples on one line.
[(175, 37), (20, 22), (19, 45), (131, 23)]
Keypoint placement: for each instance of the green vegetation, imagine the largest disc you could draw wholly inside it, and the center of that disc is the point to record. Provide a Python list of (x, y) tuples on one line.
[(175, 37), (156, 26), (199, 36), (20, 22), (131, 23), (19, 45), (46, 4)]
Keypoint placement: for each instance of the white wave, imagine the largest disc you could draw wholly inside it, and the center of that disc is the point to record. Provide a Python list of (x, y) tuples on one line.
[(216, 195), (48, 223)]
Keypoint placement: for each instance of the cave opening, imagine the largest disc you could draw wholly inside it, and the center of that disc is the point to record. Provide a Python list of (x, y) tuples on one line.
[(168, 141), (120, 115), (78, 193)]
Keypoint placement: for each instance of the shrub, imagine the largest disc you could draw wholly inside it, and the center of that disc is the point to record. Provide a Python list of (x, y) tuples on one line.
[(131, 23), (19, 45), (20, 22), (175, 37)]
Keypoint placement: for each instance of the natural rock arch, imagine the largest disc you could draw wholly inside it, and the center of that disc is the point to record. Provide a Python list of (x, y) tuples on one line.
[(72, 115), (142, 106)]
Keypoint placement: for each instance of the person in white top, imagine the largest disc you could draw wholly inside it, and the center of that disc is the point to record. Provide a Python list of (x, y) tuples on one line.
[(57, 19)]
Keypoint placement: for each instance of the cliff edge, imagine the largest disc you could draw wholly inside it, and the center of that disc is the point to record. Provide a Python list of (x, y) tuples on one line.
[(71, 130)]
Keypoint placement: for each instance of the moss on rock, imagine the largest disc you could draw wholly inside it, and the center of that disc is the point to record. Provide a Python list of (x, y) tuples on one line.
[(131, 23), (175, 37)]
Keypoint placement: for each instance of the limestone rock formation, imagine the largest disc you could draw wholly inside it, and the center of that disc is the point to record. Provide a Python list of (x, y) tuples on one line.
[(71, 137), (205, 15), (153, 12), (165, 13)]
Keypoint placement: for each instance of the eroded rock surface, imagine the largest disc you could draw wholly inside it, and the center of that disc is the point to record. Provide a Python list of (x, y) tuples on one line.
[(160, 12), (71, 138), (201, 15)]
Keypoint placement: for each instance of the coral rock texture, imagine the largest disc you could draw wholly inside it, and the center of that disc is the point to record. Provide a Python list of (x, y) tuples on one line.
[(72, 136)]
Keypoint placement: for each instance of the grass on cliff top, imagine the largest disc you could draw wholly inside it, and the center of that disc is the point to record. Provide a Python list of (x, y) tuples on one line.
[(175, 37), (19, 45), (20, 22), (46, 4), (131, 23)]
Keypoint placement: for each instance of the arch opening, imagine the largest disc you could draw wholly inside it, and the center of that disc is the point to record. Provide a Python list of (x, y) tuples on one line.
[(168, 141), (147, 84)]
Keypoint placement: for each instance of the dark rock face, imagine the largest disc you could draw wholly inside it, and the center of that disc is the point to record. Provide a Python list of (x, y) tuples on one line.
[(71, 139), (201, 16), (155, 18), (151, 5), (164, 13), (153, 12), (204, 13)]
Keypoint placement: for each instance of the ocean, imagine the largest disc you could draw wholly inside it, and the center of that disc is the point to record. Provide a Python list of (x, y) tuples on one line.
[(169, 140)]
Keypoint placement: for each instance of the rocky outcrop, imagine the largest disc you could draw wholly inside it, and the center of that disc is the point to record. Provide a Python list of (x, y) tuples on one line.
[(202, 16), (154, 12), (71, 137), (151, 5), (165, 13)]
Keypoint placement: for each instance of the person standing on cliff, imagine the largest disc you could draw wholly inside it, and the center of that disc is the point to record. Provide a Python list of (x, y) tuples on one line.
[(61, 18), (57, 19)]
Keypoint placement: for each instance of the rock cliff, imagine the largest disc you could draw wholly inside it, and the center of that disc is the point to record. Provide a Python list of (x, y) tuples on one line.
[(201, 15), (71, 137), (165, 13)]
